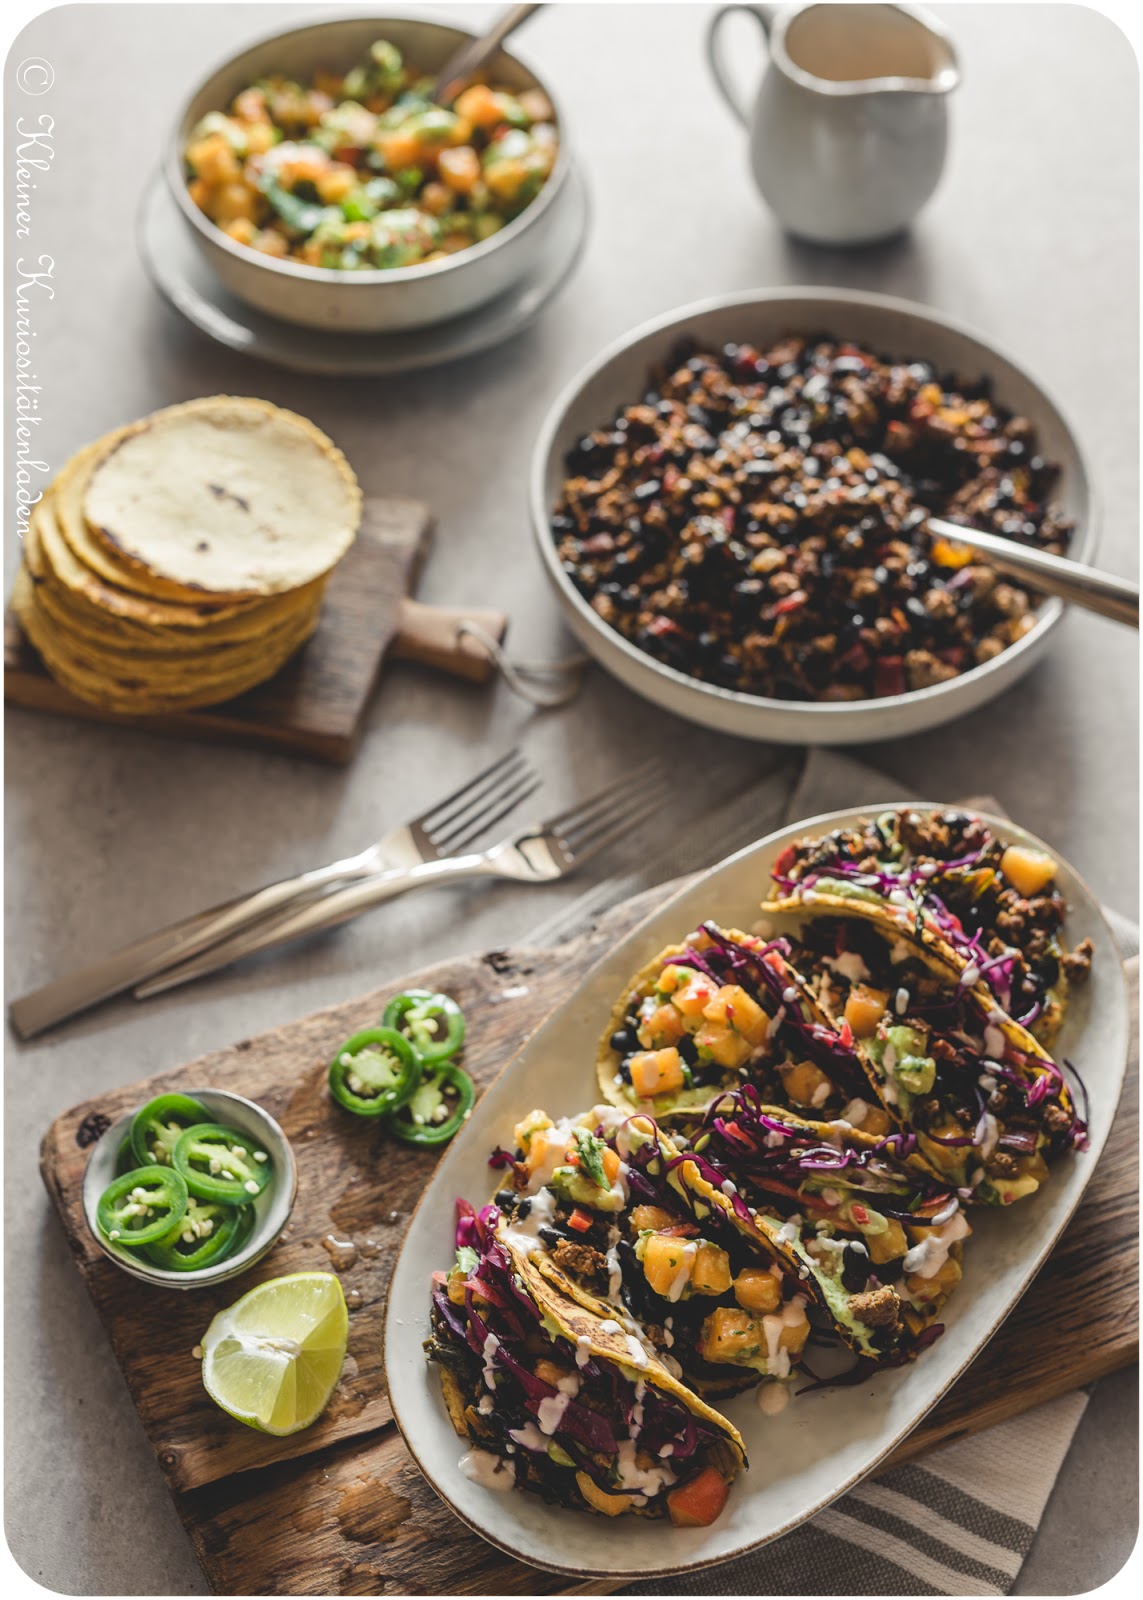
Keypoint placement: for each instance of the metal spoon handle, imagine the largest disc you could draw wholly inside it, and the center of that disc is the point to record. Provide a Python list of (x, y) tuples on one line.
[(1097, 591), (472, 56)]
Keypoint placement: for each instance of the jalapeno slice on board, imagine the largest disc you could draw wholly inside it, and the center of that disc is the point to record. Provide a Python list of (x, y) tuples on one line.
[(432, 1023), (141, 1206), (205, 1234), (221, 1164), (375, 1072), (157, 1126), (438, 1109)]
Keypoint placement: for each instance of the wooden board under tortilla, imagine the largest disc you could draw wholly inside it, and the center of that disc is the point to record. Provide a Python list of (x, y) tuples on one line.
[(316, 705), (341, 1508)]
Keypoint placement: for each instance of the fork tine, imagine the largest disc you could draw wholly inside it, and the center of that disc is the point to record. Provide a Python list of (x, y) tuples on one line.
[(609, 807), (583, 810), (484, 820), (440, 814), (582, 834), (597, 842), (509, 773)]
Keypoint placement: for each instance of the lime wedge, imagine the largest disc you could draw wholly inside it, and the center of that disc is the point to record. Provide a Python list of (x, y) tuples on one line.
[(272, 1359)]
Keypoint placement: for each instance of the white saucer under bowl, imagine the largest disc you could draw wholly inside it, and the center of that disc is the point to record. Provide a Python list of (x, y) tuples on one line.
[(181, 275)]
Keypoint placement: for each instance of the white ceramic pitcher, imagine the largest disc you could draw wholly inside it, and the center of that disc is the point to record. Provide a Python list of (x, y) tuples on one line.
[(850, 123)]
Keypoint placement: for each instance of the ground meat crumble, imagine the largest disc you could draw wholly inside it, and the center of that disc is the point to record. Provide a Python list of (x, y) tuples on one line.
[(758, 520)]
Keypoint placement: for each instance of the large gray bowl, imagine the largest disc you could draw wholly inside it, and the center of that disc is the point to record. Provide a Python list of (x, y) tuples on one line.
[(376, 301), (895, 328)]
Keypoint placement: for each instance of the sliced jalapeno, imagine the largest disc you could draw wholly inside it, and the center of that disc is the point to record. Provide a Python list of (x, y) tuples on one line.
[(221, 1164), (141, 1206), (438, 1109), (432, 1023), (156, 1127), (375, 1072), (205, 1234)]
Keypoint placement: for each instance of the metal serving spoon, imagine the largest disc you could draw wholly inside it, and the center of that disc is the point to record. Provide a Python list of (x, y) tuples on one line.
[(472, 56), (1070, 580)]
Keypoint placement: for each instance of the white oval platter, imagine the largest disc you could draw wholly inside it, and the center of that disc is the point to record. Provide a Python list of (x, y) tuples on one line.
[(823, 1442)]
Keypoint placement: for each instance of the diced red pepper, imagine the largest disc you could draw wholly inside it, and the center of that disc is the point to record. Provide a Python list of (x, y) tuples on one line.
[(580, 1221)]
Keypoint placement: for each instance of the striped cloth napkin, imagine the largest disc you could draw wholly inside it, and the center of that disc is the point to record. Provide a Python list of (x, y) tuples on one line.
[(962, 1518)]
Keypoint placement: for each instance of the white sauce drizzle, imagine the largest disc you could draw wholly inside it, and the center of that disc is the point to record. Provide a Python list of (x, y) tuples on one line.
[(488, 1471)]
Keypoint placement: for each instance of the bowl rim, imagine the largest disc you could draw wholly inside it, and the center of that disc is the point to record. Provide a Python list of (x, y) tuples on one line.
[(372, 277), (261, 1239), (1049, 613)]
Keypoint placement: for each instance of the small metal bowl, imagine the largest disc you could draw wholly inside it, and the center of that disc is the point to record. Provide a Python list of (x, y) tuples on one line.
[(374, 301), (271, 1209), (890, 327)]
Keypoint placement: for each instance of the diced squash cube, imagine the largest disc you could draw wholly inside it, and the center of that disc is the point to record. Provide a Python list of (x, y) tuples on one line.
[(700, 1501), (656, 1072), (650, 1217), (877, 1122), (693, 994), (661, 1027), (806, 1084), (730, 1334), (886, 1246), (864, 1009), (719, 1041), (710, 1273), (757, 1289), (1028, 871), (480, 105), (743, 1013), (666, 1259)]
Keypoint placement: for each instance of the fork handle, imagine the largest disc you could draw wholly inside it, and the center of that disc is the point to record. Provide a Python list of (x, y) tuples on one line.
[(329, 911)]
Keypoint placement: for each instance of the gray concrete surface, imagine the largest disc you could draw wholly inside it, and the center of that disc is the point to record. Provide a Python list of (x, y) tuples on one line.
[(1033, 237)]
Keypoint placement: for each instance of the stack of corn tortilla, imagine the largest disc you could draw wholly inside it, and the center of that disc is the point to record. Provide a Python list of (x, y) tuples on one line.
[(181, 560)]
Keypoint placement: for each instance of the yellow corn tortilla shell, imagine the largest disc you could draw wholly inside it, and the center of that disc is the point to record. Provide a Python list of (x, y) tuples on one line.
[(149, 623), (202, 663), (132, 689), (901, 921), (576, 1322), (224, 496), (101, 632)]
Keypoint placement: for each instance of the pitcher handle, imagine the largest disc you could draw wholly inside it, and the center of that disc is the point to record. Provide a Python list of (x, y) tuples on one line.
[(764, 16)]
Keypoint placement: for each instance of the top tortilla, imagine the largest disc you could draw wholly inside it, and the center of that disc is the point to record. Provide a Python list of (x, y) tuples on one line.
[(224, 497)]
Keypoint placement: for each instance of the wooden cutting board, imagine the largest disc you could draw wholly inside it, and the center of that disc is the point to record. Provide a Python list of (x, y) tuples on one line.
[(342, 1508), (316, 705)]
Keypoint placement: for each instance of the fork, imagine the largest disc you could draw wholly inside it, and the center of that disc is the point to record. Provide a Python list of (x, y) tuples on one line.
[(542, 853), (452, 824)]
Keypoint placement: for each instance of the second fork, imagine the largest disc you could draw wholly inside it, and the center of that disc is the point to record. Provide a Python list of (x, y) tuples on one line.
[(540, 854)]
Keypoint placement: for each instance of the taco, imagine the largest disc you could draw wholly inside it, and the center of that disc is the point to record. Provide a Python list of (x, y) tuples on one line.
[(723, 1009), (620, 1218), (877, 1242), (559, 1402), (947, 879), (988, 1107)]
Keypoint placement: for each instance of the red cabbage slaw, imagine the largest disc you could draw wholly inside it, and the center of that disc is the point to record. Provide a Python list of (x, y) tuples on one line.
[(918, 883), (500, 1324), (756, 1142)]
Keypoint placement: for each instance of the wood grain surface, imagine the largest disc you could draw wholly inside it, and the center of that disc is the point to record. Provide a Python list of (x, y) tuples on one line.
[(316, 705), (342, 1508)]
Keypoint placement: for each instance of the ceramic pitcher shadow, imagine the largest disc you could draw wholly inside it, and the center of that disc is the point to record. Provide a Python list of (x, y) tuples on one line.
[(849, 126)]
